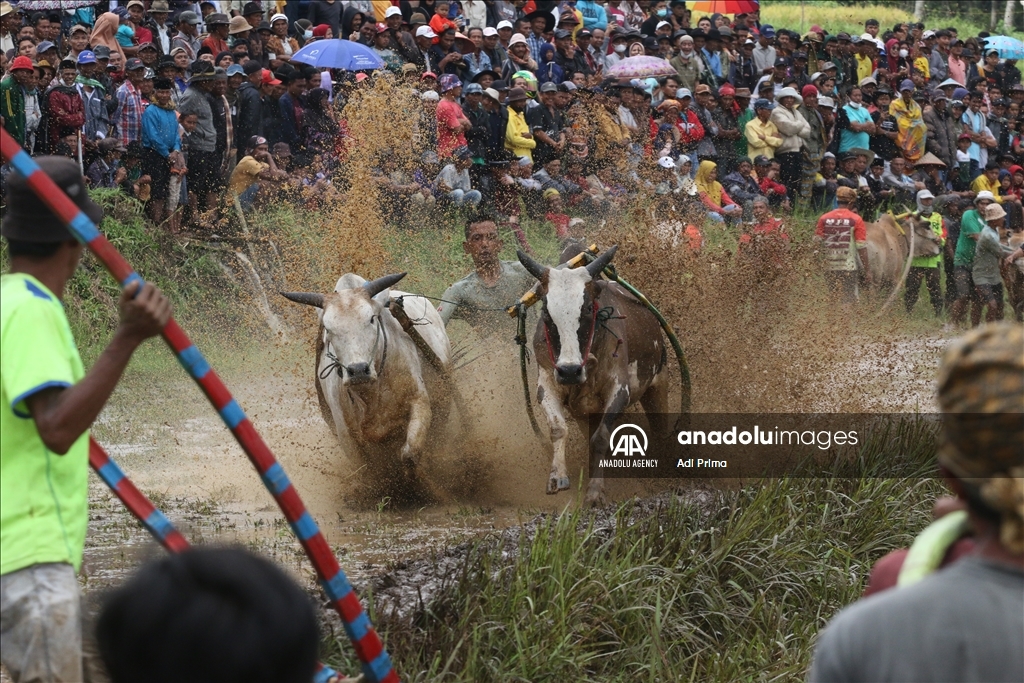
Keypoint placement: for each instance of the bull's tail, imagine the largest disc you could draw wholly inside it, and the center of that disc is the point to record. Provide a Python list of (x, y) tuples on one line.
[(903, 278)]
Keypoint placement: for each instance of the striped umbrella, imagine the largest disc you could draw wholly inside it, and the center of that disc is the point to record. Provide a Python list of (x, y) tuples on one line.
[(725, 6)]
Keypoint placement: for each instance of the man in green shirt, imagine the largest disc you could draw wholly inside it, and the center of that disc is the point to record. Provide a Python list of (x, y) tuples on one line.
[(963, 259), (48, 404)]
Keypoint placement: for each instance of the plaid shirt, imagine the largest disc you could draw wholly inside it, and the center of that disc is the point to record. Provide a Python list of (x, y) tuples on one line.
[(129, 113), (535, 42)]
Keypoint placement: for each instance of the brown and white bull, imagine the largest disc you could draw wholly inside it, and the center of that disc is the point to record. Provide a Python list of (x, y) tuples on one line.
[(889, 247), (372, 384), (599, 350)]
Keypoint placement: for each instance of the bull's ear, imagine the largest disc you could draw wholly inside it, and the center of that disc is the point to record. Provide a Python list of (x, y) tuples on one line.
[(535, 269), (596, 266), (307, 298), (375, 287)]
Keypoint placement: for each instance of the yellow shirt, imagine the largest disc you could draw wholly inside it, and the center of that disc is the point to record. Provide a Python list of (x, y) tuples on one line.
[(245, 174), (864, 67), (981, 183), (921, 65), (755, 145), (514, 140)]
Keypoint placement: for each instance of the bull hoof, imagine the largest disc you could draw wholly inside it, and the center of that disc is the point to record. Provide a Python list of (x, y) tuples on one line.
[(595, 497), (556, 484)]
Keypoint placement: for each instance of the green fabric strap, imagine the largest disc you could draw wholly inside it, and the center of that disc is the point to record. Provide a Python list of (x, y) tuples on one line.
[(930, 547)]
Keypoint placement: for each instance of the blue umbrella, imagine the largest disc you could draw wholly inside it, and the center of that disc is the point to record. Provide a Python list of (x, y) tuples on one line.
[(1008, 48), (338, 54)]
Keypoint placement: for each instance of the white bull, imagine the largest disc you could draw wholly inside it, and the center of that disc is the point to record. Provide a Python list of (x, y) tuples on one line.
[(369, 372)]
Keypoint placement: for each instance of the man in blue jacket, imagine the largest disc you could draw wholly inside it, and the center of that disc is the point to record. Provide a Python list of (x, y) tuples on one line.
[(594, 15)]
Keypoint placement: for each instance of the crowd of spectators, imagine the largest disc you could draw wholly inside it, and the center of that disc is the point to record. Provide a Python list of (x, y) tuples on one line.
[(516, 107)]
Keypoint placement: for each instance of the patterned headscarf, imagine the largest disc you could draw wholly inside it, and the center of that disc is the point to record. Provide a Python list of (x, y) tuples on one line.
[(981, 392)]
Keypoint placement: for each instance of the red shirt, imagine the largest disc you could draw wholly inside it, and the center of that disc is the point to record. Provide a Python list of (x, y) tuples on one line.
[(836, 228), (449, 127), (216, 45), (561, 223)]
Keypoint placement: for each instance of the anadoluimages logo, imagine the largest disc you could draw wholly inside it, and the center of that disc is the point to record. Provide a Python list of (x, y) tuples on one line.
[(628, 440)]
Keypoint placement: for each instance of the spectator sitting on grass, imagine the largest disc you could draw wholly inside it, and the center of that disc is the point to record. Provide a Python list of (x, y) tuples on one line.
[(255, 169), (454, 181)]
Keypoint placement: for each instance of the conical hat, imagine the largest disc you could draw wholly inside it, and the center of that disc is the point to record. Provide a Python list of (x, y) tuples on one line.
[(930, 159)]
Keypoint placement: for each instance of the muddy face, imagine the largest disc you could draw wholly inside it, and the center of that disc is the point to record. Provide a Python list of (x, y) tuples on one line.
[(355, 335)]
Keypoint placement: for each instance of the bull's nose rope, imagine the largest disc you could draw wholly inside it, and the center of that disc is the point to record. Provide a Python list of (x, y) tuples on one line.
[(377, 665)]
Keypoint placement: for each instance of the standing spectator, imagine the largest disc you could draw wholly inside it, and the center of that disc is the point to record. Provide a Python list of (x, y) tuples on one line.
[(814, 145), (854, 123), (518, 138), (13, 89), (163, 32), (942, 130), (729, 130), (321, 133), (988, 283), (49, 404), (976, 125), (203, 161), (94, 104), (187, 36), (971, 225), (248, 104), (764, 54), (688, 63), (327, 12), (104, 32), (128, 117), (161, 148), (292, 105), (909, 122), (762, 135), (794, 129), (452, 123), (926, 267), (63, 111), (218, 25), (844, 237)]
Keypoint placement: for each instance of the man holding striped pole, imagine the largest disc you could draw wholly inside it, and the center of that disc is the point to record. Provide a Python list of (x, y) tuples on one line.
[(48, 404)]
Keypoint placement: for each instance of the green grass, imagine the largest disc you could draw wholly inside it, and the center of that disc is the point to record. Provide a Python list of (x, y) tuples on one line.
[(733, 588), (836, 18)]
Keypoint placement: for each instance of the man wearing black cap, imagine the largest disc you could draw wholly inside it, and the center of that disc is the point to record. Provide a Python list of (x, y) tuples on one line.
[(48, 405)]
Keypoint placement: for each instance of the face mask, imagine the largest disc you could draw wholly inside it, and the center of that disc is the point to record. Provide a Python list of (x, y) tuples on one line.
[(904, 53), (620, 48), (855, 105), (663, 12), (307, 35)]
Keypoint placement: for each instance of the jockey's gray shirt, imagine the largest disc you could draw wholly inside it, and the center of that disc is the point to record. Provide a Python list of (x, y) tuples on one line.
[(472, 293)]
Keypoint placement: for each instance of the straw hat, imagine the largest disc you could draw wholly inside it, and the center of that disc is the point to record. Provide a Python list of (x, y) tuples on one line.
[(930, 159), (238, 25)]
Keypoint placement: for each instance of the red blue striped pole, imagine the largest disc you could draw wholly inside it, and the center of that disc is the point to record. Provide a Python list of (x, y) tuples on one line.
[(155, 522), (377, 666)]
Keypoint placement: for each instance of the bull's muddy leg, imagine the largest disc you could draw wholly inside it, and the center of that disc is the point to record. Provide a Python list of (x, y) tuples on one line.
[(416, 435), (550, 399), (599, 442)]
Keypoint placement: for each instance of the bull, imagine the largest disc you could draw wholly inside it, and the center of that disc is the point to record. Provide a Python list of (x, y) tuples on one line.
[(890, 247), (370, 379), (599, 350)]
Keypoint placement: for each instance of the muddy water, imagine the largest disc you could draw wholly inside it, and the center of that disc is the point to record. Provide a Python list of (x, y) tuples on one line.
[(487, 473)]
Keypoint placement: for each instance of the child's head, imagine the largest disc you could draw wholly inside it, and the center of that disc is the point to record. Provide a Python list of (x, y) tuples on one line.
[(189, 122), (441, 8), (963, 142), (553, 200)]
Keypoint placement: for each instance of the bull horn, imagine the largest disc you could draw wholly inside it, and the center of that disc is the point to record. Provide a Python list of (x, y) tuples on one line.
[(307, 298), (375, 287), (535, 269), (596, 266)]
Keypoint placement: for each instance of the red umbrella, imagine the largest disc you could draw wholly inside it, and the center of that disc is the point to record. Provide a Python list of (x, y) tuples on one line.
[(725, 6)]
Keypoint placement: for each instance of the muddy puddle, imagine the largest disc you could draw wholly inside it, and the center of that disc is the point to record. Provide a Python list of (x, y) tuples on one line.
[(168, 440)]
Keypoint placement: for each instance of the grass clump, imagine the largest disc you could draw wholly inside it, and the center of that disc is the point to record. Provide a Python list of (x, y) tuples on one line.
[(714, 585)]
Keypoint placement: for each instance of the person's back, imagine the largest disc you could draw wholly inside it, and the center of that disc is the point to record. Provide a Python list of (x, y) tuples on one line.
[(954, 625), (964, 622)]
